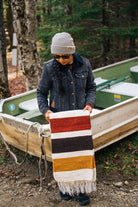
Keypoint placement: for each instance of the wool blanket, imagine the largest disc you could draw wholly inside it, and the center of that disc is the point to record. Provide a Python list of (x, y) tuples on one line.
[(73, 158)]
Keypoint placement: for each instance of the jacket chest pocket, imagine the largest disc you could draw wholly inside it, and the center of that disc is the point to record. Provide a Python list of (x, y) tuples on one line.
[(80, 80)]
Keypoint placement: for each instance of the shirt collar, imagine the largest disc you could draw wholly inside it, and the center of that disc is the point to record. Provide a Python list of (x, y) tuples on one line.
[(78, 61)]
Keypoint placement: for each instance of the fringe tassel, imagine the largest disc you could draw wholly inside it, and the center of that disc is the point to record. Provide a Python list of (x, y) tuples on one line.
[(77, 187)]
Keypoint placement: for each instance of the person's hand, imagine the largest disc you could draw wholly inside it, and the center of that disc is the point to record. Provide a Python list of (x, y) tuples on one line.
[(88, 107), (47, 115)]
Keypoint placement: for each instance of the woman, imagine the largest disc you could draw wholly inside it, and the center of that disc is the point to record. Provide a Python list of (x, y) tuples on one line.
[(69, 80)]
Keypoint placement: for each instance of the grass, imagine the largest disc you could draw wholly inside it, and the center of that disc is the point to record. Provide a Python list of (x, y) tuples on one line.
[(3, 160), (122, 156), (2, 153)]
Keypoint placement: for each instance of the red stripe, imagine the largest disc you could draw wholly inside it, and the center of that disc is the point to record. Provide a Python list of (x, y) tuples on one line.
[(70, 124)]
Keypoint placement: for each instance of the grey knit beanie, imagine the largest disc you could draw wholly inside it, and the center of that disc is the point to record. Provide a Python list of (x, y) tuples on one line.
[(62, 43)]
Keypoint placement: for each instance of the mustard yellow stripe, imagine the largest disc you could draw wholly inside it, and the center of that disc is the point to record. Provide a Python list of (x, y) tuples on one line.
[(74, 163)]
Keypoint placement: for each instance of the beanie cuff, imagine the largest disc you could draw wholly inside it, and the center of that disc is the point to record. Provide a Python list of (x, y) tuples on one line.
[(62, 49)]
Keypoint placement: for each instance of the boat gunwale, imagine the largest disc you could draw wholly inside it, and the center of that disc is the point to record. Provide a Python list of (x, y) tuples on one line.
[(108, 109), (47, 126), (115, 64), (2, 101)]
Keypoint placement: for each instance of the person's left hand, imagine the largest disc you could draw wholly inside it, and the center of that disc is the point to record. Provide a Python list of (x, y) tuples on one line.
[(88, 107)]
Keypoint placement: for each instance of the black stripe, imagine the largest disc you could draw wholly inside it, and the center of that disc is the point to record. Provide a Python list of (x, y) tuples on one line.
[(72, 144)]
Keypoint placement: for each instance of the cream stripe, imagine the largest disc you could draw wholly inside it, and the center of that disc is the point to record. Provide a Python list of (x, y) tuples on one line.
[(72, 154), (67, 114), (61, 135), (76, 175)]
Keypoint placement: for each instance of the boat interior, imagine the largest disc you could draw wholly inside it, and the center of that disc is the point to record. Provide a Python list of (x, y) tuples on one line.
[(110, 91)]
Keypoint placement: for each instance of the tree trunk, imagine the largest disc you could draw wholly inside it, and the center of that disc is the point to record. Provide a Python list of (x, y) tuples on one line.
[(4, 86), (105, 24), (24, 22), (9, 22)]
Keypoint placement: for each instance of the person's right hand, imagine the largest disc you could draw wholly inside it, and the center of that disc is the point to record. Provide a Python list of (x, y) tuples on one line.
[(47, 115)]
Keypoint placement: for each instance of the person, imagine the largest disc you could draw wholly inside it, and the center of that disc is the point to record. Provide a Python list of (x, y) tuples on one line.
[(68, 82)]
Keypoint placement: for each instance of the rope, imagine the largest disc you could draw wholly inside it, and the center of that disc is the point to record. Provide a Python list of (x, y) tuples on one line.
[(43, 154), (12, 154)]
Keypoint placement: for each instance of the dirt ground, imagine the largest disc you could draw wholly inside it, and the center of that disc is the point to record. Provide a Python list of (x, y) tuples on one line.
[(20, 187)]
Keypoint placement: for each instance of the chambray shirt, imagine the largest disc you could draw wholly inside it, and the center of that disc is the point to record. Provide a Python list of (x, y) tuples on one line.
[(78, 83)]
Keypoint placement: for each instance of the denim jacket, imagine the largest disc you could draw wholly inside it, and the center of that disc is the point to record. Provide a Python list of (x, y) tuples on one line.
[(78, 83)]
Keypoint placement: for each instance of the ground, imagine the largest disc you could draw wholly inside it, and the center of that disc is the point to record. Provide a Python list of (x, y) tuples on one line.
[(20, 185)]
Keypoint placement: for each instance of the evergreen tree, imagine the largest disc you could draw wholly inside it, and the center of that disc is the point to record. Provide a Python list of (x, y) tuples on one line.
[(104, 31), (75, 17)]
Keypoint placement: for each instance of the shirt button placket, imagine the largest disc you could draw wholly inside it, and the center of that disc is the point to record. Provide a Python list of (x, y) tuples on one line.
[(73, 94)]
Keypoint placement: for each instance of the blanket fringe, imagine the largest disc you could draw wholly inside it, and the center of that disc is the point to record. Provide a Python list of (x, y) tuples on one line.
[(77, 187)]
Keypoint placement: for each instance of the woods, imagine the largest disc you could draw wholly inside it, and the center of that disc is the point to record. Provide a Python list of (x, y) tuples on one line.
[(104, 31)]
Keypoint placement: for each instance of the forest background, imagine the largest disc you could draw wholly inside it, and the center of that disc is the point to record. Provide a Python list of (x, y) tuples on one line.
[(104, 31)]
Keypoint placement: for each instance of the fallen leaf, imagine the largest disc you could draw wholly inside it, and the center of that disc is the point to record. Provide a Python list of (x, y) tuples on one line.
[(129, 146), (115, 156), (123, 166)]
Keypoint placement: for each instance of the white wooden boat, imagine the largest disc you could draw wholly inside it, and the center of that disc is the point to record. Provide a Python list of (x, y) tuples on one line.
[(115, 116)]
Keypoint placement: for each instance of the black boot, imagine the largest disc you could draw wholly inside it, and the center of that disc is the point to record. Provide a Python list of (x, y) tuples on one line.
[(65, 196), (83, 199)]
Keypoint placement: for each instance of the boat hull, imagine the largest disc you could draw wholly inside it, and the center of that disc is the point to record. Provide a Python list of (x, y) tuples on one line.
[(108, 126), (15, 132), (27, 129)]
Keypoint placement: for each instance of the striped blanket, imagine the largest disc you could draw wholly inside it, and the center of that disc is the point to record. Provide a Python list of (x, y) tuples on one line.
[(72, 152)]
